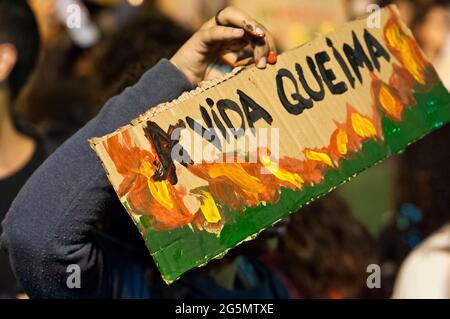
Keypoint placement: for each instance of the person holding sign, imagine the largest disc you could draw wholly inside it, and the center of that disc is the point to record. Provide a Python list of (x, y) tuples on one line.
[(53, 223)]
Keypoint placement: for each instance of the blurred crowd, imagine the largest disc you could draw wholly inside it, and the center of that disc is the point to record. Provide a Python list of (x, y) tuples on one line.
[(322, 252)]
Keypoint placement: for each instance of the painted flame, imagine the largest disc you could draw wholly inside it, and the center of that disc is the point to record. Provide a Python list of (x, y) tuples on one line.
[(387, 98), (405, 49), (160, 192), (318, 156), (363, 126), (145, 196), (282, 174), (209, 208)]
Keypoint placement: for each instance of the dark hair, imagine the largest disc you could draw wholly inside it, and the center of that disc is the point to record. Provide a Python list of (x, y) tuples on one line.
[(423, 179), (422, 193), (122, 59), (18, 27), (326, 250)]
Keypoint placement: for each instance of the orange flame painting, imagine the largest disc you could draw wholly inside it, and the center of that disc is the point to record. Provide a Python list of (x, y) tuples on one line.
[(146, 196), (405, 48)]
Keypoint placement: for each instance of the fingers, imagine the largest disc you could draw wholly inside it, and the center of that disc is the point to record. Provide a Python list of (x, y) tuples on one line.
[(219, 34), (240, 56), (264, 46), (260, 54), (272, 57), (231, 16), (232, 19), (265, 51)]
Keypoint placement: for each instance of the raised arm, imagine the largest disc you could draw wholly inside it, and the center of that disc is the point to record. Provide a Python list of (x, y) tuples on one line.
[(49, 225), (53, 221)]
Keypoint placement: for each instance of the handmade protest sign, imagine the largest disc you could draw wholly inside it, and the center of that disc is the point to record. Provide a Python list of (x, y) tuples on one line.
[(213, 168)]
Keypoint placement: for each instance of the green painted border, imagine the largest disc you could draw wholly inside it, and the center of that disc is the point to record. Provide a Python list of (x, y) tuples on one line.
[(177, 251)]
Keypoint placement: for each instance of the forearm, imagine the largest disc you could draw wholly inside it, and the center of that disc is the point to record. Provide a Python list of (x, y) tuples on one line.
[(49, 224)]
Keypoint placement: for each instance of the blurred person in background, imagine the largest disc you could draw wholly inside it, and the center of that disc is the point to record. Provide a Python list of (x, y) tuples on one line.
[(22, 149), (421, 182), (431, 27), (73, 80), (358, 8), (430, 24), (420, 229), (123, 57), (193, 12), (429, 20), (71, 83), (408, 9), (325, 251), (68, 203), (56, 100), (425, 273)]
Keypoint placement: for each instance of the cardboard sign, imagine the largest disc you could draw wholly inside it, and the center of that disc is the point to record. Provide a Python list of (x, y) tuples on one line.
[(213, 168)]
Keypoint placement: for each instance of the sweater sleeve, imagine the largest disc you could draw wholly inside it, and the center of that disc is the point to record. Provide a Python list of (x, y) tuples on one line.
[(51, 223)]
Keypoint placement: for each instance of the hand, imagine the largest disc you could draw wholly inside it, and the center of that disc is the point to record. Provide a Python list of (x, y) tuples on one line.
[(212, 42)]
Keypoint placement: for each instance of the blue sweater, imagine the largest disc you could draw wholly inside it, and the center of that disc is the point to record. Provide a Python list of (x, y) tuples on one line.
[(54, 221)]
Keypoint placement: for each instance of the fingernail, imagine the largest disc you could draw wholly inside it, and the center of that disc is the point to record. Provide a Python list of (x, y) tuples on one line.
[(259, 31), (249, 27), (238, 32), (272, 58), (261, 63)]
